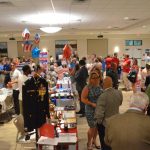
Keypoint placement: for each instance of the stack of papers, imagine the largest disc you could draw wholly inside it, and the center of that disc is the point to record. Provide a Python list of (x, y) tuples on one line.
[(67, 138)]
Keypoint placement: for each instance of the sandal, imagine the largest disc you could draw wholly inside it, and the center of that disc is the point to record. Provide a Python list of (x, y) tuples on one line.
[(89, 147), (96, 146)]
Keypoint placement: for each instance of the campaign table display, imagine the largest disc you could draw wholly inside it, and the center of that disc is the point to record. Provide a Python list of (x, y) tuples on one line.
[(5, 100), (64, 138)]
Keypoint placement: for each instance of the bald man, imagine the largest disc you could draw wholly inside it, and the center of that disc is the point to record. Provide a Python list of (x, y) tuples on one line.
[(107, 105)]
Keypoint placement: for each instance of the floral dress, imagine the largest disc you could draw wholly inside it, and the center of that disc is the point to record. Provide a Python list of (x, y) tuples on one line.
[(94, 93)]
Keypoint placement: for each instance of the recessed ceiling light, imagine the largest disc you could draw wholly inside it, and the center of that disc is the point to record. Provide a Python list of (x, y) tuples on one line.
[(144, 26), (109, 27), (126, 18)]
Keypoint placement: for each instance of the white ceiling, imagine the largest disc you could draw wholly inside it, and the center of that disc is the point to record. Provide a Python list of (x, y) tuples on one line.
[(96, 16)]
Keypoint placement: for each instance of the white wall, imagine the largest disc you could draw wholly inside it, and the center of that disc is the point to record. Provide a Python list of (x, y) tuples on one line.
[(49, 43)]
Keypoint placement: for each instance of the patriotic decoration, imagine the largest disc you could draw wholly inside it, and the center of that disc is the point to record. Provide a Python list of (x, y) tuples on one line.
[(67, 51), (27, 46), (35, 52), (26, 34), (43, 59), (37, 38)]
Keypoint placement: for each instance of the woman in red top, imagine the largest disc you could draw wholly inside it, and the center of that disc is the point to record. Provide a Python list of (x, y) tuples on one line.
[(135, 67)]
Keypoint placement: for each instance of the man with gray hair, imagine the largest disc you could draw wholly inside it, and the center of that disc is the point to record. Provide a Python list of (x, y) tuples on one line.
[(130, 130)]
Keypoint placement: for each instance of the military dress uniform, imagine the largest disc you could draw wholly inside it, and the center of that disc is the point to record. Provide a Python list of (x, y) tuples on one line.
[(35, 102)]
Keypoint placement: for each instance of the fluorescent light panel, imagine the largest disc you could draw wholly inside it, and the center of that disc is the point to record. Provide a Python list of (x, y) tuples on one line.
[(50, 18)]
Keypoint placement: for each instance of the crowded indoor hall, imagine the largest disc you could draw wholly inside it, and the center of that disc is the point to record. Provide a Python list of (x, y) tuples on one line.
[(75, 74)]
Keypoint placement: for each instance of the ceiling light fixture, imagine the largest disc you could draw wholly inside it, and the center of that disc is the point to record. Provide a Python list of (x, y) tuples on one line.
[(126, 18), (109, 27), (144, 26), (50, 29)]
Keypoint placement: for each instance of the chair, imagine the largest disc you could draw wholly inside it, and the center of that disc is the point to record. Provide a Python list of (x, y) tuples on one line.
[(21, 135)]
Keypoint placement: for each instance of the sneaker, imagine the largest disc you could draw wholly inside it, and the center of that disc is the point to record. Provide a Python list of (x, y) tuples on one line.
[(14, 116)]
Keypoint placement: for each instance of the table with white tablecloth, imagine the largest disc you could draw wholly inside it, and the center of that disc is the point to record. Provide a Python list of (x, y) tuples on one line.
[(5, 100)]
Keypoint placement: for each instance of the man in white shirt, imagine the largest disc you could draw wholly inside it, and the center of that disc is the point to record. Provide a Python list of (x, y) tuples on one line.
[(24, 77), (14, 74), (145, 72)]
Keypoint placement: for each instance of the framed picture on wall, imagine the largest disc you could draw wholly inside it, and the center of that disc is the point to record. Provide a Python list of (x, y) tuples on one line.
[(3, 49), (59, 45)]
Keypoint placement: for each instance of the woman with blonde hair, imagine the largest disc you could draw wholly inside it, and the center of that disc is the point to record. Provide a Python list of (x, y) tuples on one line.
[(89, 96)]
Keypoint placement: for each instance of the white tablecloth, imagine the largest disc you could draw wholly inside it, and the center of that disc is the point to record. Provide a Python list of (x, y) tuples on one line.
[(4, 93)]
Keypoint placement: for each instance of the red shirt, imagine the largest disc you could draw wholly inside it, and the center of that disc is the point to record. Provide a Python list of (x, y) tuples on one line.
[(108, 61), (126, 65), (115, 60)]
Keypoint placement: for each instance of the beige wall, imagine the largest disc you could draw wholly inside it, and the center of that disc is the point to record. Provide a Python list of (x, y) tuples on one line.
[(97, 46), (49, 43), (12, 49)]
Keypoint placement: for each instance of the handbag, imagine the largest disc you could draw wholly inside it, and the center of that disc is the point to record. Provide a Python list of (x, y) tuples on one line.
[(132, 76)]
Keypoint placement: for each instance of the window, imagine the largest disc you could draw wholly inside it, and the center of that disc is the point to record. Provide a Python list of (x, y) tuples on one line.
[(133, 42), (3, 49), (128, 42), (137, 42)]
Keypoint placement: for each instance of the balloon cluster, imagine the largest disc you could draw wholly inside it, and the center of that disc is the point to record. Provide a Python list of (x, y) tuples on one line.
[(36, 50), (27, 44)]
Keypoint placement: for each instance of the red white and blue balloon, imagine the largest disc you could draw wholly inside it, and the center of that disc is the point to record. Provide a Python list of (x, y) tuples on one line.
[(35, 52), (37, 38), (26, 34)]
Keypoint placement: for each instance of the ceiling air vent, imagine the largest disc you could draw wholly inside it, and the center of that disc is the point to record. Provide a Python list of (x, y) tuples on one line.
[(12, 39), (80, 1), (6, 4), (133, 19)]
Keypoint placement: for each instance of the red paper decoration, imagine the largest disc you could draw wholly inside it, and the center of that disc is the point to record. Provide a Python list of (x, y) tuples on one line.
[(67, 52)]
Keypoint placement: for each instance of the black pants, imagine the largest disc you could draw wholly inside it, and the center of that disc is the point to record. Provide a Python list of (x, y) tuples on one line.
[(101, 132), (82, 105), (16, 101)]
